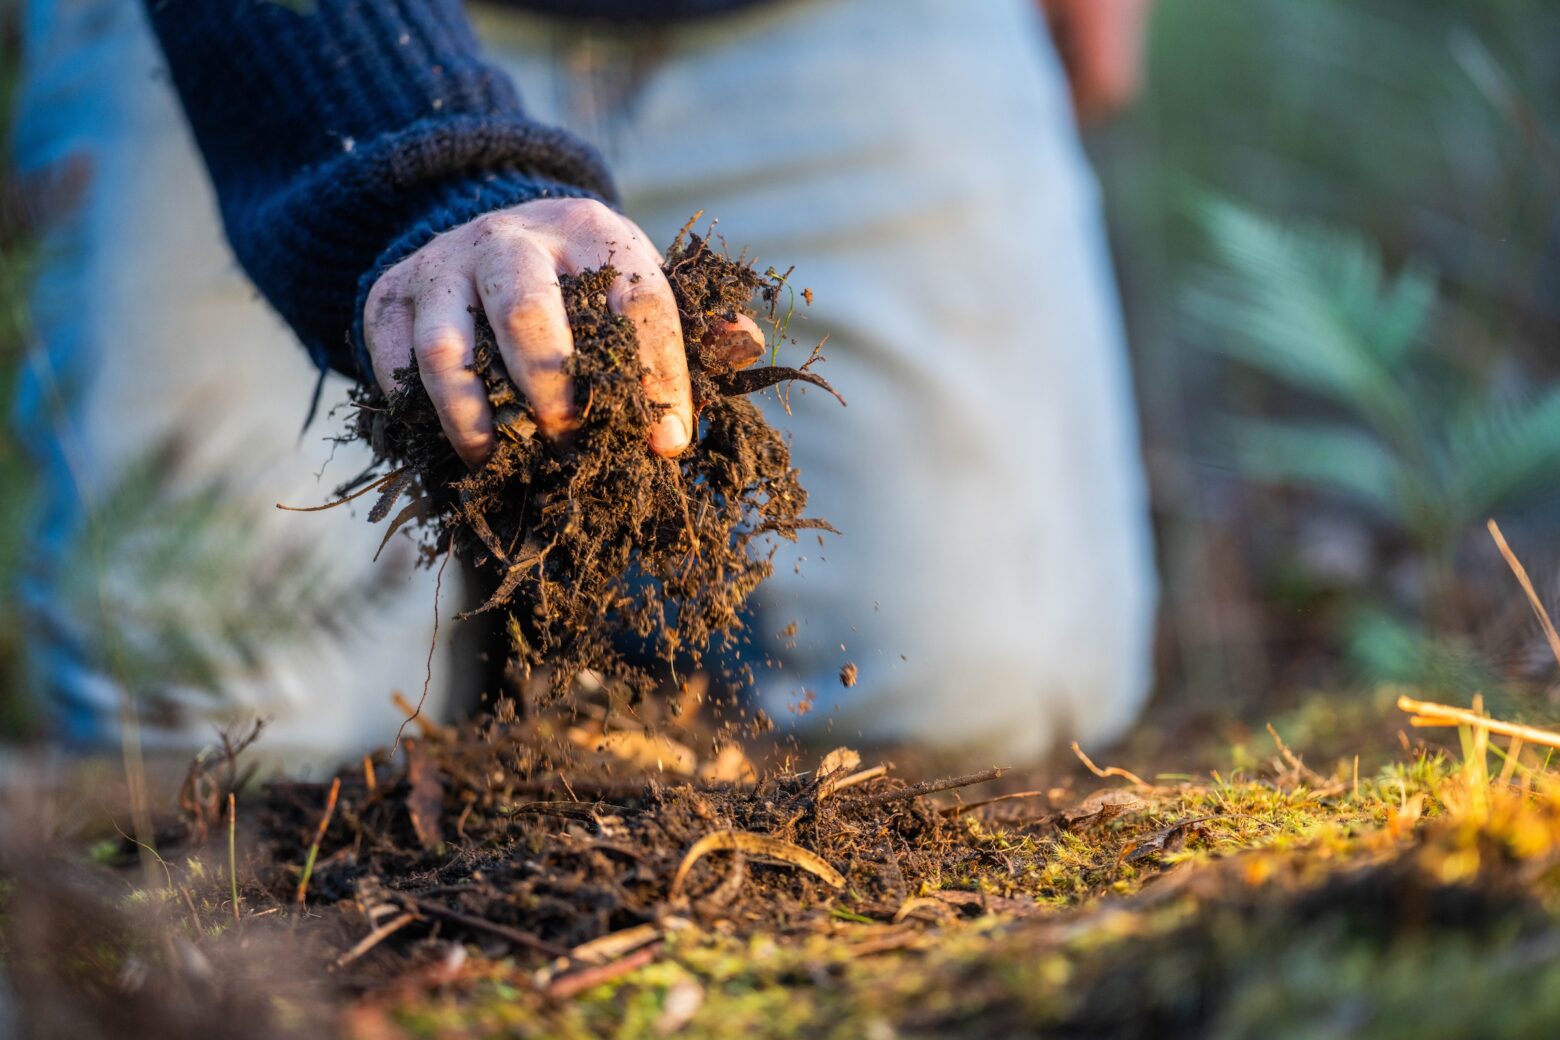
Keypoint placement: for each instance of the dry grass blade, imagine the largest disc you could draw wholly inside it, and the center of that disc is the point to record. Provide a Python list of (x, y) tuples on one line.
[(951, 783), (1109, 771), (1527, 587), (1428, 714), (600, 951), (319, 836), (233, 851), (565, 986), (482, 924), (756, 845), (570, 809)]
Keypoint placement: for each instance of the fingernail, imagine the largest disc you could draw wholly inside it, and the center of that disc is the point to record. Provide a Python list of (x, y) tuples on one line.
[(671, 436)]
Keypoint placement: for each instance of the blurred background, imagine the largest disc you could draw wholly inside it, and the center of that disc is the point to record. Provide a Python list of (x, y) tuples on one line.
[(1335, 229)]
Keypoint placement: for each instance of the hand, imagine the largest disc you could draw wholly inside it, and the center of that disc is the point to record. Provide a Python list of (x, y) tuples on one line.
[(1101, 44), (508, 263)]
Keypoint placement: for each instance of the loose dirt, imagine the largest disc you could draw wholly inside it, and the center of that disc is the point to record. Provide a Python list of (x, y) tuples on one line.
[(605, 557)]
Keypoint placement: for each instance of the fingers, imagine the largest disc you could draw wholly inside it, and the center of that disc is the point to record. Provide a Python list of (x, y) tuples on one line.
[(641, 294), (443, 342), (649, 304), (508, 263), (518, 285), (387, 329)]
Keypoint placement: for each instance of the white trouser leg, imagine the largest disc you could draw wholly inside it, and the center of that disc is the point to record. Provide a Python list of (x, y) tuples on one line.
[(917, 162), (146, 328)]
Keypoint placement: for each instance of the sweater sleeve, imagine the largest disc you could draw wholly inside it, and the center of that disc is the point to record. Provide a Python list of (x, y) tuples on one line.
[(341, 135)]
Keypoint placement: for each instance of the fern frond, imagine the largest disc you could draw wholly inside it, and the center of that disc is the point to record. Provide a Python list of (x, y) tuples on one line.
[(1497, 455), (178, 591), (1333, 459), (1314, 309)]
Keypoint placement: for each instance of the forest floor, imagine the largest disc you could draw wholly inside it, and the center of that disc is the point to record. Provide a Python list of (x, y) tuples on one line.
[(526, 880)]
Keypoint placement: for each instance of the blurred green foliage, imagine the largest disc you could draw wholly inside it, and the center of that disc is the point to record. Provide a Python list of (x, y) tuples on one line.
[(1383, 270), (168, 589)]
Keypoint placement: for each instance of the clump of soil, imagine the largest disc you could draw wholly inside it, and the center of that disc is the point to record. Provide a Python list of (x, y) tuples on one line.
[(607, 557)]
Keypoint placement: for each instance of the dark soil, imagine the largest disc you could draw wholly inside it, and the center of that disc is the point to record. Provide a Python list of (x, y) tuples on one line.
[(559, 839), (606, 557)]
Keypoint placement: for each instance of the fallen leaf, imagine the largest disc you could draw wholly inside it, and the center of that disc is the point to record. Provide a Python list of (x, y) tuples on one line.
[(838, 761), (649, 751), (1167, 839)]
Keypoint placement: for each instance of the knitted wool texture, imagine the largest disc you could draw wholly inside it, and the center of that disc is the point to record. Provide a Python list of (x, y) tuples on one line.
[(341, 135)]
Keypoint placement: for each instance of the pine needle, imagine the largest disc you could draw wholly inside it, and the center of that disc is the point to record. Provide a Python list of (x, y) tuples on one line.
[(1527, 587)]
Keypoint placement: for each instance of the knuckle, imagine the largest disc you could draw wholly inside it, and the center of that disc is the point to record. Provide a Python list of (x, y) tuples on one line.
[(585, 210), (647, 300), (666, 382), (440, 350), (472, 444), (528, 317)]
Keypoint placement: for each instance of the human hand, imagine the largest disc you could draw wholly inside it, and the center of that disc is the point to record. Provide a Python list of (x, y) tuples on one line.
[(1101, 45), (508, 263)]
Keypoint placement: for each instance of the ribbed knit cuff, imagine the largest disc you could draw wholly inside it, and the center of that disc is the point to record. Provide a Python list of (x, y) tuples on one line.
[(454, 203)]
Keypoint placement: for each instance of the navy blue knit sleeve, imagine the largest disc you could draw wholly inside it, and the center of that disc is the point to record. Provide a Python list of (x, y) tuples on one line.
[(341, 135)]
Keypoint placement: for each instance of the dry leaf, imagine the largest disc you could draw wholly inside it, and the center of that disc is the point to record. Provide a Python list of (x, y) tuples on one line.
[(649, 751), (1167, 839), (729, 766), (838, 761)]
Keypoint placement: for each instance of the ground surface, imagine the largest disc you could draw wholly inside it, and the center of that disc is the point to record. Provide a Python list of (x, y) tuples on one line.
[(463, 889)]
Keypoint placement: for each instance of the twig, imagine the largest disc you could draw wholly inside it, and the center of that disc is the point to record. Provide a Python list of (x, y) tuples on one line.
[(565, 986), (375, 937), (1429, 714), (482, 924), (1107, 773), (829, 787), (933, 786), (319, 836), (233, 851), (961, 809), (369, 777), (1527, 587)]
